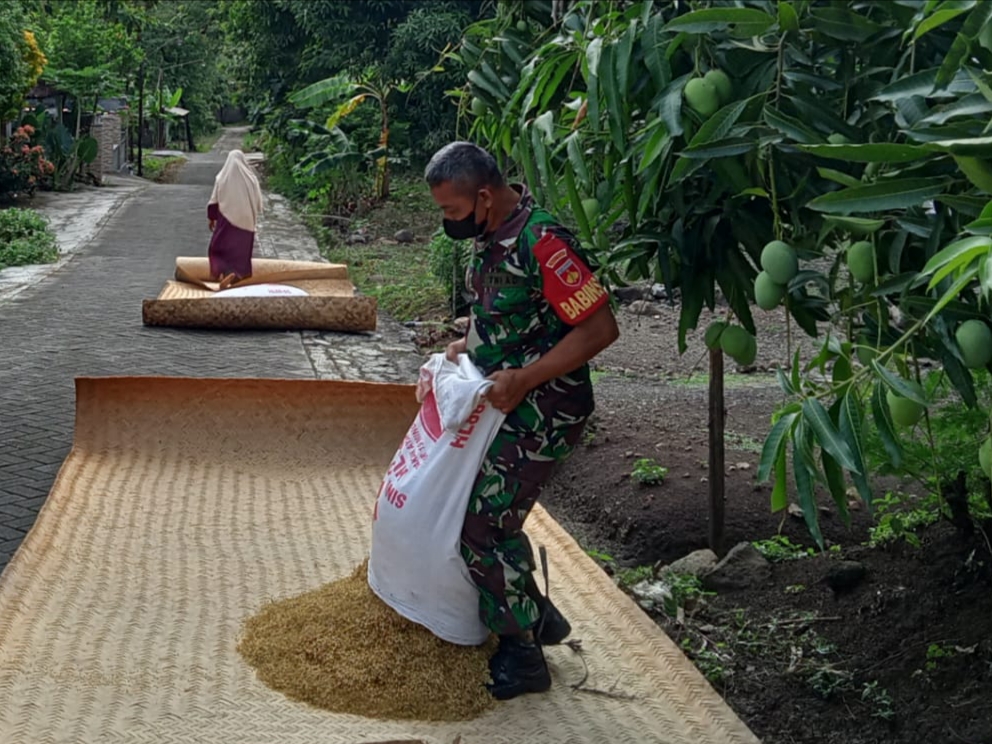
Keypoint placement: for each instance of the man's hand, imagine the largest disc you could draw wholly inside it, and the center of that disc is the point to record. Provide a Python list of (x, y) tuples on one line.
[(455, 348), (213, 224), (510, 388)]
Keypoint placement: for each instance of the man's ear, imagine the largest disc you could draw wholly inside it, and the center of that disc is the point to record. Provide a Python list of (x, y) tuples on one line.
[(486, 197)]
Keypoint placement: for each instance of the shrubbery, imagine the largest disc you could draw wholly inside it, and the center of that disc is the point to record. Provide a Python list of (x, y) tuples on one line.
[(25, 239), (449, 261)]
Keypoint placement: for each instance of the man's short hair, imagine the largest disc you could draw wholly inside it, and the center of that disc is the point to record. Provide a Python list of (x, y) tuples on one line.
[(464, 164)]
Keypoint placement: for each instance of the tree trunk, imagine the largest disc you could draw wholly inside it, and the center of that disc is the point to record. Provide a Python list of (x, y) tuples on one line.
[(141, 116), (384, 186), (716, 454), (160, 139)]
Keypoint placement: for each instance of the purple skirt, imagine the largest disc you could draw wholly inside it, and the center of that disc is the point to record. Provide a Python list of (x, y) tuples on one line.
[(230, 247)]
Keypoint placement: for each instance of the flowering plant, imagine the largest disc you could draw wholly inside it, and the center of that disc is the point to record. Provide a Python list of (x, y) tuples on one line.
[(23, 166)]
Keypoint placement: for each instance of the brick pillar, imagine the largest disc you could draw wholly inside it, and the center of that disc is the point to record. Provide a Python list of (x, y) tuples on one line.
[(106, 130)]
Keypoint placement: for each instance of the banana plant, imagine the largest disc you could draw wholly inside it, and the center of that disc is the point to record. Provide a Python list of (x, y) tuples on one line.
[(372, 85)]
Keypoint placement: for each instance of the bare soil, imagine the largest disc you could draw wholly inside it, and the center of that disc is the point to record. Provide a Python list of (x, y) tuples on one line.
[(905, 657)]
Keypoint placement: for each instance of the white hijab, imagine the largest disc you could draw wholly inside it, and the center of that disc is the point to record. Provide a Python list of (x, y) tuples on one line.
[(237, 193)]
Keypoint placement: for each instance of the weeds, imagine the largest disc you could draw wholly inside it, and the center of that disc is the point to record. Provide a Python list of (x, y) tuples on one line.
[(712, 659), (161, 170), (742, 442), (898, 521), (780, 548), (25, 239), (627, 578), (647, 472), (936, 652), (879, 700)]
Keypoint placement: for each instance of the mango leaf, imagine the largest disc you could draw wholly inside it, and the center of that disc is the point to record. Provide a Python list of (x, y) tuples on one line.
[(775, 445), (578, 160), (953, 60), (968, 106), (622, 57), (670, 105), (804, 488), (967, 206), (788, 19), (785, 383), (790, 127), (651, 42), (544, 165), (493, 77), (838, 177), (654, 146), (966, 278), (484, 83), (901, 193), (979, 172), (575, 202), (922, 84), (954, 368), (956, 255), (976, 20), (780, 491), (835, 483), (615, 108), (857, 224), (845, 25), (720, 148), (594, 53), (552, 82), (985, 278), (947, 11), (852, 429), (897, 284), (716, 19), (527, 160), (716, 127), (897, 384), (884, 425), (878, 152), (827, 435)]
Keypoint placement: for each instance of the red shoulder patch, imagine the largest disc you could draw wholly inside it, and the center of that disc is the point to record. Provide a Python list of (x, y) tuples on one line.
[(569, 285)]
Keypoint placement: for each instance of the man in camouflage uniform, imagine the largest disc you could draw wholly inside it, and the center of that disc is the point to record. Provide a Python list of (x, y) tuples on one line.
[(538, 316)]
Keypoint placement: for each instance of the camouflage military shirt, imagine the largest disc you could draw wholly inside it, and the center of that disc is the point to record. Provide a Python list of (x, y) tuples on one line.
[(531, 285)]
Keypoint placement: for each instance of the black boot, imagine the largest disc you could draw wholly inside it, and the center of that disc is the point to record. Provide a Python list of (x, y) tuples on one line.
[(552, 628), (518, 667)]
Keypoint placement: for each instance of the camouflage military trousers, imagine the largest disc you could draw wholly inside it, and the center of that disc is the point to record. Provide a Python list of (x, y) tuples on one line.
[(519, 462)]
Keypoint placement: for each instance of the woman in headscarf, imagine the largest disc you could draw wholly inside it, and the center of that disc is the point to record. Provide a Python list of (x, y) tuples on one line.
[(233, 212)]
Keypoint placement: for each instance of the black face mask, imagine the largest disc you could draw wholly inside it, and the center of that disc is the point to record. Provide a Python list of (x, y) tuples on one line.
[(466, 228)]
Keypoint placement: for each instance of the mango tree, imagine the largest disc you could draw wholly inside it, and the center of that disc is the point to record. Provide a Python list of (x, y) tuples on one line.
[(805, 154)]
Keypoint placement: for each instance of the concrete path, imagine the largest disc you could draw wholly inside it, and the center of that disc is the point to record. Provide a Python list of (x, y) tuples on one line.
[(83, 317)]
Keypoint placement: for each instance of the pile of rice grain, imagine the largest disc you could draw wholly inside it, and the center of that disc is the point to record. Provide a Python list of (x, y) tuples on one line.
[(341, 648)]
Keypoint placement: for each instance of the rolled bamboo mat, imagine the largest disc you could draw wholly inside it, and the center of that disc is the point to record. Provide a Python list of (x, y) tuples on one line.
[(186, 504), (196, 270)]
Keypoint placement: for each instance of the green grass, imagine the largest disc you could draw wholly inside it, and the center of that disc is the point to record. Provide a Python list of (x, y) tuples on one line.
[(730, 380), (206, 142), (399, 276), (742, 442), (156, 169)]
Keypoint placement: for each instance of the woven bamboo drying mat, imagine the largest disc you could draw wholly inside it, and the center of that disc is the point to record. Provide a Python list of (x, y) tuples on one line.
[(185, 504), (331, 304)]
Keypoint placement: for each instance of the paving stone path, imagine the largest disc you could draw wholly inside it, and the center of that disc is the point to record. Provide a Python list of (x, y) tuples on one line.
[(84, 318)]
